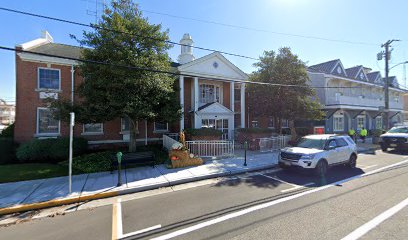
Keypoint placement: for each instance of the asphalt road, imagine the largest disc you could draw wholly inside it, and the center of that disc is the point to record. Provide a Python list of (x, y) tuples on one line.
[(274, 205)]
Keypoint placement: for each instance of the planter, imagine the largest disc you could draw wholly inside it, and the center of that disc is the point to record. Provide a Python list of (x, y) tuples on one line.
[(181, 158)]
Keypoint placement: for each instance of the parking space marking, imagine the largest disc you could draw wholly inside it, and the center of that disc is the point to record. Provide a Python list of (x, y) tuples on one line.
[(279, 180), (117, 226), (367, 167), (298, 187), (267, 205), (365, 228)]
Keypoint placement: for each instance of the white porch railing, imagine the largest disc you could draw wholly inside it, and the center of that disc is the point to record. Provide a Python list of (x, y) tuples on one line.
[(168, 142), (214, 148), (273, 143)]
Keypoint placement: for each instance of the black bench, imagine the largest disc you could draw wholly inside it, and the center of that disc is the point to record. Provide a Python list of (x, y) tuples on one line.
[(138, 158)]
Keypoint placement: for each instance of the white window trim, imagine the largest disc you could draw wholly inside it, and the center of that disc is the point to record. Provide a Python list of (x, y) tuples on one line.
[(92, 133), (334, 125), (37, 133), (48, 89), (160, 131), (364, 121), (220, 85)]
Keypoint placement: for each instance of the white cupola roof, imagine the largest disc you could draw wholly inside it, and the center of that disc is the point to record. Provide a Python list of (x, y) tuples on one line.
[(186, 54)]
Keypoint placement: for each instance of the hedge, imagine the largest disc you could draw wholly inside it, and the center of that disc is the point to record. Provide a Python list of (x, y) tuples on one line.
[(255, 130), (51, 150), (8, 132), (90, 163), (7, 150), (203, 132)]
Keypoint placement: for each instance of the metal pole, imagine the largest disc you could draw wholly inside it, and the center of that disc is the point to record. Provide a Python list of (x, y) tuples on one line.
[(245, 150), (119, 157), (71, 133), (386, 87)]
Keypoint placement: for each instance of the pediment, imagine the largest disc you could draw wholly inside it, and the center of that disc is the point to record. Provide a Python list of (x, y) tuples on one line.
[(214, 65), (214, 108)]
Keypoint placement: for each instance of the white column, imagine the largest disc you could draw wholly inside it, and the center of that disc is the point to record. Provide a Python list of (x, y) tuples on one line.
[(181, 82), (232, 97), (196, 93), (243, 105)]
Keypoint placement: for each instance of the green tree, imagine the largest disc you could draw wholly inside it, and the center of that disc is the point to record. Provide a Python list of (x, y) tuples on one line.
[(295, 102), (124, 37)]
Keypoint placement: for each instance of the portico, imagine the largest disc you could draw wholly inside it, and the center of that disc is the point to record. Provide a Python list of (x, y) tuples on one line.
[(208, 89)]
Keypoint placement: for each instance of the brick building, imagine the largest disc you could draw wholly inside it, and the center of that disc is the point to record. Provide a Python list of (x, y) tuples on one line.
[(214, 97)]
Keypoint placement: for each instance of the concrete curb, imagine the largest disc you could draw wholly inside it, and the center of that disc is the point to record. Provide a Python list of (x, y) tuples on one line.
[(71, 200)]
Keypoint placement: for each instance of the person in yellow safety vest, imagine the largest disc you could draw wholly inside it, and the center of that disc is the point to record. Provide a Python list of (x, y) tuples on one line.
[(352, 133), (363, 134)]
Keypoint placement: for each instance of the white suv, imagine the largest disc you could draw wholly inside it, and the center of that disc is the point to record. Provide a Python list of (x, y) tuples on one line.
[(318, 152)]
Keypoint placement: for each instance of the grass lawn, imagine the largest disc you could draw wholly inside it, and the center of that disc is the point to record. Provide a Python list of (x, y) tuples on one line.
[(30, 171)]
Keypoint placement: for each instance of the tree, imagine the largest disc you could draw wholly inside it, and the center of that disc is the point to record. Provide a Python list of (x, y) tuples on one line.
[(293, 102), (124, 37)]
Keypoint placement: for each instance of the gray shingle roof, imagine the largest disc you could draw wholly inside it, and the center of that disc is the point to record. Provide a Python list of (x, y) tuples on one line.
[(393, 81), (373, 76), (325, 67), (353, 71), (58, 49), (70, 51)]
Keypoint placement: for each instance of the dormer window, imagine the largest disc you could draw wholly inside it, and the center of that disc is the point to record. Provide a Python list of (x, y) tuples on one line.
[(339, 70), (362, 76)]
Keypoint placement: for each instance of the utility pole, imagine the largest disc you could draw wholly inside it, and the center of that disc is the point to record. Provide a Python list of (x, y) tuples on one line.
[(387, 56)]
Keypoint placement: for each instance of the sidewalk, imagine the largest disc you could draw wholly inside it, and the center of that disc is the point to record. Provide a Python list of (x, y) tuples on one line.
[(41, 193)]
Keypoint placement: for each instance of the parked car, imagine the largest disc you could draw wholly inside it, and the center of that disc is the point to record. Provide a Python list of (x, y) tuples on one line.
[(318, 152), (396, 137)]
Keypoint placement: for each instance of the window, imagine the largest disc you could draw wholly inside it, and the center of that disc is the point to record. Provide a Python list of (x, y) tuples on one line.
[(271, 122), (208, 123), (254, 123), (48, 78), (161, 126), (338, 123), (341, 142), (378, 122), (124, 124), (237, 94), (332, 144), (209, 93), (285, 123), (93, 128), (46, 124), (219, 124), (360, 122)]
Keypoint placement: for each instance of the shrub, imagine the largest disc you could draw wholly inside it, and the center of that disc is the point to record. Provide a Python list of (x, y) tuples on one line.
[(51, 150), (255, 130), (8, 132), (93, 162), (7, 150), (203, 132)]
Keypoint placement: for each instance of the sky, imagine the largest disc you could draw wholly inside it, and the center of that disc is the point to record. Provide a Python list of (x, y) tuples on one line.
[(236, 26)]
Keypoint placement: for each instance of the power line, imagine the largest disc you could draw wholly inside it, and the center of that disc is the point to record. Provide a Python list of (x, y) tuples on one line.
[(120, 32), (159, 71), (262, 30)]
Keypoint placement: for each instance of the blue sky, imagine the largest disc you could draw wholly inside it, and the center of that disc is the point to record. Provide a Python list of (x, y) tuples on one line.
[(369, 21)]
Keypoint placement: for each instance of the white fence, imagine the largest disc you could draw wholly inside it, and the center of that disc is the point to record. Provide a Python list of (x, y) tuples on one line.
[(273, 143), (214, 148), (168, 142)]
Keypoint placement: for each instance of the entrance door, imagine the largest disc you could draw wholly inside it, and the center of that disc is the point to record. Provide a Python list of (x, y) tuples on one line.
[(219, 124)]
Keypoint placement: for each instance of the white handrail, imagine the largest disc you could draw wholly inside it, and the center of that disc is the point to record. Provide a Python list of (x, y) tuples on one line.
[(168, 142)]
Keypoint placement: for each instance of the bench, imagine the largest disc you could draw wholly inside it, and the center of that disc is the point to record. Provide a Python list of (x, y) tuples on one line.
[(138, 158)]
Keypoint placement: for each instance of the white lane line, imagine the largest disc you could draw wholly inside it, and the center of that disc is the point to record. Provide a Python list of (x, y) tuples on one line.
[(266, 205), (359, 232), (141, 231), (367, 167), (119, 218), (297, 187), (279, 180)]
